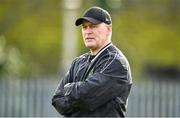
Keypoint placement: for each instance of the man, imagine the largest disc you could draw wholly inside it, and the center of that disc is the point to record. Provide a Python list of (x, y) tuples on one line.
[(98, 83)]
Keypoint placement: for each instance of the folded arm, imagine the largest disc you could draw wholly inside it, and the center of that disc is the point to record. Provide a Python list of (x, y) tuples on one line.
[(98, 89)]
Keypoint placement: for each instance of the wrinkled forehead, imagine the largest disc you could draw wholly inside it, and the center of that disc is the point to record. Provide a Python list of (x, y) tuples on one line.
[(86, 22)]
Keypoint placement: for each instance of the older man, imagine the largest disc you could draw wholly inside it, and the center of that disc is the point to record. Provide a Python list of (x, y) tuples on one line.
[(98, 83)]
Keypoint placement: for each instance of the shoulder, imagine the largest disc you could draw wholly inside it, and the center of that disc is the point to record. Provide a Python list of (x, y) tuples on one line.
[(81, 58), (116, 56)]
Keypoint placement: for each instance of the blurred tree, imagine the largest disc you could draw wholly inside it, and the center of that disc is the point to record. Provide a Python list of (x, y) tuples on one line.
[(148, 35), (146, 31), (69, 42), (2, 55), (34, 27), (11, 61)]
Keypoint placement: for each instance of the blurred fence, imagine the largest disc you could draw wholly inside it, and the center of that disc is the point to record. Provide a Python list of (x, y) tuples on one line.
[(32, 98), (27, 97), (155, 98)]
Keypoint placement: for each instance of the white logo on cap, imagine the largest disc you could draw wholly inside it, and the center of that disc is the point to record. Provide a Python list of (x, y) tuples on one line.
[(107, 19)]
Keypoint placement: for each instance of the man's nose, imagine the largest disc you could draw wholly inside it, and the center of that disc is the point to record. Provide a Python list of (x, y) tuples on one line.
[(88, 30)]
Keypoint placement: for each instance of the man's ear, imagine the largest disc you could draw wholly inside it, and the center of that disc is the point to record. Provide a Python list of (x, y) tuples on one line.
[(109, 28)]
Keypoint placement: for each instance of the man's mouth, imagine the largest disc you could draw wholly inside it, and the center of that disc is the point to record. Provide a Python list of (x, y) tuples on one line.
[(89, 39)]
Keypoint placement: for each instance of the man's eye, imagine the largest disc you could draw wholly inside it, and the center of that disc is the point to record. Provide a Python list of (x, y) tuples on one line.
[(90, 26), (84, 27), (94, 26)]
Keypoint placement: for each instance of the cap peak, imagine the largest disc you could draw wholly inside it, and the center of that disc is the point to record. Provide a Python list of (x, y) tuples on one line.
[(95, 15)]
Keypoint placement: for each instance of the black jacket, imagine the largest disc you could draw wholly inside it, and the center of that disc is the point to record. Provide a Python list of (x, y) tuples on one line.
[(97, 86)]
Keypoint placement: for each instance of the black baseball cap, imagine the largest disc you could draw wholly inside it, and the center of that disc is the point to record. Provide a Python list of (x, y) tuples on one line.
[(95, 15)]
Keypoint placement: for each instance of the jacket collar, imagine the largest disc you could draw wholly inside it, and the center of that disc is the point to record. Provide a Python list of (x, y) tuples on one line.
[(102, 50)]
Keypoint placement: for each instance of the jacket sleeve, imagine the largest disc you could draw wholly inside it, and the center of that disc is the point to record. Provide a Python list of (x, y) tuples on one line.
[(59, 101), (99, 88)]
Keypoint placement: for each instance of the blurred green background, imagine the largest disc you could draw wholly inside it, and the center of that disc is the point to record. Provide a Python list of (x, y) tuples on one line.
[(31, 34), (38, 39)]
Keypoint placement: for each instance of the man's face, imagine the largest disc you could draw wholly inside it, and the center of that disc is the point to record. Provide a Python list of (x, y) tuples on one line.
[(95, 36)]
